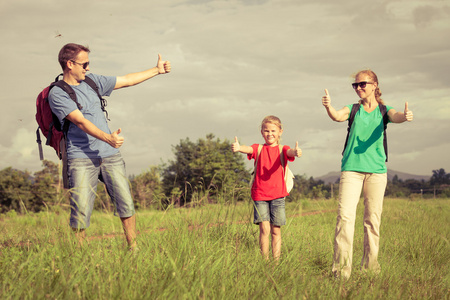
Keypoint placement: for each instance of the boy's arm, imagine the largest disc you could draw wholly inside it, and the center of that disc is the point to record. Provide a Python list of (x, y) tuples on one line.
[(235, 147), (295, 152)]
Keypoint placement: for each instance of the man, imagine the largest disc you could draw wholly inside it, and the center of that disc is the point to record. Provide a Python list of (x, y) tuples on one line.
[(92, 150)]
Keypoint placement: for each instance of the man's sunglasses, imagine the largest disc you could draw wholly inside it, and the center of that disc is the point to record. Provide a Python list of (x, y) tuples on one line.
[(361, 84), (85, 65)]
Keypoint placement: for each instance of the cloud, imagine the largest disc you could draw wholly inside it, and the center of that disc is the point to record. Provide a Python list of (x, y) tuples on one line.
[(18, 151), (234, 62), (426, 15)]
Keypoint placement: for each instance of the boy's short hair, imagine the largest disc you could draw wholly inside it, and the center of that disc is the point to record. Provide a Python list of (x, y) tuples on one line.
[(273, 120)]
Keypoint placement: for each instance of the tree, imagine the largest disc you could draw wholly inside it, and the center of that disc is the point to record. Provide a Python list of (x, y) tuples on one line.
[(147, 189), (309, 188), (15, 190), (440, 177), (207, 166), (46, 187), (396, 187)]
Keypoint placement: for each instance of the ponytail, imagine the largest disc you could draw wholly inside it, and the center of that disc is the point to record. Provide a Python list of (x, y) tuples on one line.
[(378, 96)]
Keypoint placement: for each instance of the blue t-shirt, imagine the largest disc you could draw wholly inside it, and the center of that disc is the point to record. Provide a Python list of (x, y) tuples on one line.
[(365, 149), (79, 143)]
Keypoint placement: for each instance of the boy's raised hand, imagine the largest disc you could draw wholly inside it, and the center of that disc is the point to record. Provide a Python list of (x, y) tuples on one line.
[(298, 151), (235, 147)]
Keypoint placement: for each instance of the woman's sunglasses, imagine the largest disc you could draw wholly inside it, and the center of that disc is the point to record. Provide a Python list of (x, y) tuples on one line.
[(361, 84), (85, 65)]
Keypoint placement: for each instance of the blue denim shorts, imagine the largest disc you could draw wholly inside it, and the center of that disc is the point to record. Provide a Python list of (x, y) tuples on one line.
[(84, 174), (272, 211)]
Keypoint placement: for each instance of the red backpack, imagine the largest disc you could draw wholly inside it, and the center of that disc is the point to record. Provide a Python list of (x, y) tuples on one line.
[(48, 122)]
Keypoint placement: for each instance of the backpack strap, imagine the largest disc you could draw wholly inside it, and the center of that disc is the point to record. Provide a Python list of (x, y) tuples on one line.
[(66, 88), (283, 167), (280, 147), (383, 111), (256, 161), (257, 154), (69, 90), (103, 101), (351, 118), (38, 140)]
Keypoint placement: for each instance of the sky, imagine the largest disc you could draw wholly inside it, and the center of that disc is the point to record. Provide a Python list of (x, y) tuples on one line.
[(233, 63)]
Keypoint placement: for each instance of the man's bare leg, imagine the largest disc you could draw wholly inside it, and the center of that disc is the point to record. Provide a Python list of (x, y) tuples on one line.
[(129, 228)]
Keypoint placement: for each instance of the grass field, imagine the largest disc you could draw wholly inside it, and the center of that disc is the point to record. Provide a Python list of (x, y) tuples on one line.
[(211, 252)]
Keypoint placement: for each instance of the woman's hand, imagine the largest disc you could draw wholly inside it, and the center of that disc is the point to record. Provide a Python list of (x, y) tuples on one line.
[(326, 100), (408, 113)]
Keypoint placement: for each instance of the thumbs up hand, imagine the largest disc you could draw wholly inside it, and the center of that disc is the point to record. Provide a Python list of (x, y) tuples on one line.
[(115, 140), (163, 66), (408, 113), (235, 147), (297, 150), (326, 100)]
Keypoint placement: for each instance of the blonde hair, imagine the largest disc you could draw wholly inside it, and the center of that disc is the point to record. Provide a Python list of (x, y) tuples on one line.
[(272, 120), (373, 77)]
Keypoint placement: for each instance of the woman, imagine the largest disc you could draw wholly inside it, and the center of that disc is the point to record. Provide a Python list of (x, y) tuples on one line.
[(363, 167)]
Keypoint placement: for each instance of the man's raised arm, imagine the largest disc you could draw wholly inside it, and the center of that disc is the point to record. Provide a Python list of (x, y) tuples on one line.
[(162, 67)]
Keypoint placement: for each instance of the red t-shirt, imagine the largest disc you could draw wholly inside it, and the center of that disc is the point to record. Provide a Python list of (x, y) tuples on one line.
[(269, 181)]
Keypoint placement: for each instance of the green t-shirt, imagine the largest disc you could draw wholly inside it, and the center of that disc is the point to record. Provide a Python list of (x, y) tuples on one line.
[(365, 150)]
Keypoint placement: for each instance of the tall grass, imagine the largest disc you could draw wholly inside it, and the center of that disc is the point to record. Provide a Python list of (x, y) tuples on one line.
[(211, 252)]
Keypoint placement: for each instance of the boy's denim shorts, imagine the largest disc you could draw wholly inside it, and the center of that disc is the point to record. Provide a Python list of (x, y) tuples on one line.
[(84, 174), (272, 211)]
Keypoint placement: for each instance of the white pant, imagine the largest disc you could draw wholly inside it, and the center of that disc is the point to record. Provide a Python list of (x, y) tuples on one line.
[(374, 186)]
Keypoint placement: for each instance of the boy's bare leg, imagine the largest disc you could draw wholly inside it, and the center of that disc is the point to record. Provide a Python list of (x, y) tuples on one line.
[(276, 241), (129, 227), (264, 238)]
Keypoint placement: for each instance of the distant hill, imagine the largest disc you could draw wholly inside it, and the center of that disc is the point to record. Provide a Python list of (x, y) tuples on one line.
[(332, 177)]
